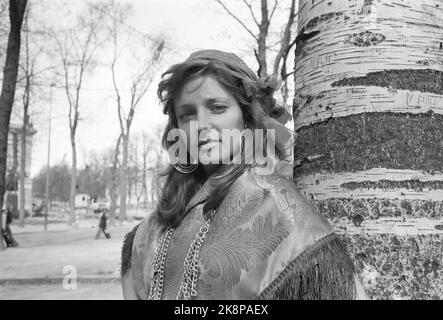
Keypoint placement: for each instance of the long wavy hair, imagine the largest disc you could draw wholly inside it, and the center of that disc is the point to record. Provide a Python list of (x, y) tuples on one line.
[(179, 188)]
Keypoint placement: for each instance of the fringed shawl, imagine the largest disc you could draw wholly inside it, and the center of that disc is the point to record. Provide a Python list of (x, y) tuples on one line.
[(265, 242)]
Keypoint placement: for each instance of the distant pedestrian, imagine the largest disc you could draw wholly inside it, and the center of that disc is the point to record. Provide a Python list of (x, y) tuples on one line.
[(102, 226), (7, 233)]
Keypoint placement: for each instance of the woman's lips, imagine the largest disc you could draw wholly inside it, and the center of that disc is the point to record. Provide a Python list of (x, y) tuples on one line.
[(207, 144)]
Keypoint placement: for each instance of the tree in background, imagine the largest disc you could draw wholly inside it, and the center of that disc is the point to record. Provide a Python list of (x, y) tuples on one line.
[(100, 178), (77, 46), (4, 29), (31, 71), (59, 189), (158, 159), (16, 12), (140, 67), (92, 178), (114, 179), (262, 38), (369, 117), (149, 161)]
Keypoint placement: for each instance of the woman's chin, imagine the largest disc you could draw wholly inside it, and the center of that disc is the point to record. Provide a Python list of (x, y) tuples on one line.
[(213, 157)]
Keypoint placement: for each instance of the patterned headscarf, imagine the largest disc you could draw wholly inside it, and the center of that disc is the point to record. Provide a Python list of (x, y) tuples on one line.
[(260, 89)]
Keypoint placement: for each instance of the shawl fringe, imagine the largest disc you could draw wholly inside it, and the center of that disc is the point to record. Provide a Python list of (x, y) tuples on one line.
[(127, 251), (323, 271)]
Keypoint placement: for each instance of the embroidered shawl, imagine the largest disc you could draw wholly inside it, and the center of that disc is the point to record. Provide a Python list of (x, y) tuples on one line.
[(265, 242)]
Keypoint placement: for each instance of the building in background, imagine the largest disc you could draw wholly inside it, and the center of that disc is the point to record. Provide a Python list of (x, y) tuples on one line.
[(82, 201), (13, 168)]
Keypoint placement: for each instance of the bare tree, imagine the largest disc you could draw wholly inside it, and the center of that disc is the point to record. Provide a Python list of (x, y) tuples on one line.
[(59, 189), (286, 45), (147, 143), (261, 37), (77, 46), (4, 29), (16, 12), (157, 179), (133, 170), (148, 167), (11, 176), (28, 75), (140, 78), (114, 180), (158, 159), (27, 68)]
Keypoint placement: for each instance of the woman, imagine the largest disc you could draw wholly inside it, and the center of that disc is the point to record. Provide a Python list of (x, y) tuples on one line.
[(223, 228)]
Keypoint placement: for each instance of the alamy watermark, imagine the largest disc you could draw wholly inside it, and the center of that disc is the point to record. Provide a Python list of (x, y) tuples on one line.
[(248, 146), (70, 278)]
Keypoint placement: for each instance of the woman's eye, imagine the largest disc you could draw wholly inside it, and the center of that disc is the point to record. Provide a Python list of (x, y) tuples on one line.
[(219, 108), (185, 115)]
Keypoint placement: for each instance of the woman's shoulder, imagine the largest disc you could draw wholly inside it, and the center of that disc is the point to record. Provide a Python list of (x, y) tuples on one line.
[(135, 239), (280, 188), (310, 249), (291, 204)]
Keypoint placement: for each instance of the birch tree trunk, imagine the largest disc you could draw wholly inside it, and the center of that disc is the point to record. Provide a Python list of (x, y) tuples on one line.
[(368, 111)]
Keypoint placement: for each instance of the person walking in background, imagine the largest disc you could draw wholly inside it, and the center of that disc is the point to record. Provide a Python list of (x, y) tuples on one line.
[(102, 226), (224, 227), (7, 233)]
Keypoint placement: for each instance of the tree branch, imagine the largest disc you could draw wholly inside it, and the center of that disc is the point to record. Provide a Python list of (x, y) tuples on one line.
[(236, 18), (252, 12), (273, 10), (285, 44)]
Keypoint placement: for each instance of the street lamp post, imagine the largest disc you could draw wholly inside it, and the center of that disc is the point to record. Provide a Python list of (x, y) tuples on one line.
[(48, 160)]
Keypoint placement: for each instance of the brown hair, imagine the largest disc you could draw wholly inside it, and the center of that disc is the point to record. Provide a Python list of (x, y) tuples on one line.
[(179, 188)]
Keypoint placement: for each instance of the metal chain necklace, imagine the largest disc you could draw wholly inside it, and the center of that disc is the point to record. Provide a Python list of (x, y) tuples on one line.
[(191, 269), (158, 265)]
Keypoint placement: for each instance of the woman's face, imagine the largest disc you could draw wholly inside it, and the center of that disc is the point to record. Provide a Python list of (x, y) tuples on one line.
[(203, 107)]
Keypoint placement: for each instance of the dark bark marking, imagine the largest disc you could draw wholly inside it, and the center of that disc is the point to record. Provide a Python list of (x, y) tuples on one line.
[(409, 267), (371, 140), (391, 184), (375, 208), (365, 39), (327, 17), (301, 40), (366, 9), (425, 80)]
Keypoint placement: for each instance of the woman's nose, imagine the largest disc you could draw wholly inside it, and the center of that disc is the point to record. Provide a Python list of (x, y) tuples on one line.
[(203, 120)]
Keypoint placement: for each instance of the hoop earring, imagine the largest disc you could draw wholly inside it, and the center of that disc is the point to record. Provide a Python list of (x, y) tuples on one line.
[(184, 168), (241, 152), (248, 147)]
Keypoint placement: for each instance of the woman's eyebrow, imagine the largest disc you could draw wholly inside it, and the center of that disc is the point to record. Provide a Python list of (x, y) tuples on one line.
[(208, 101), (219, 99), (185, 106)]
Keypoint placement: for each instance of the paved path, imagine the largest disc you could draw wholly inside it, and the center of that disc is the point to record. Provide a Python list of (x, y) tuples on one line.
[(84, 291), (36, 269)]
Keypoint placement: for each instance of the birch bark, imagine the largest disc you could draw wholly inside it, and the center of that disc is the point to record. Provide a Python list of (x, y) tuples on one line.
[(368, 111)]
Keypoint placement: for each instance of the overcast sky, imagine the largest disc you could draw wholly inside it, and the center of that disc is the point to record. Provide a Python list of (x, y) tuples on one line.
[(188, 25)]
